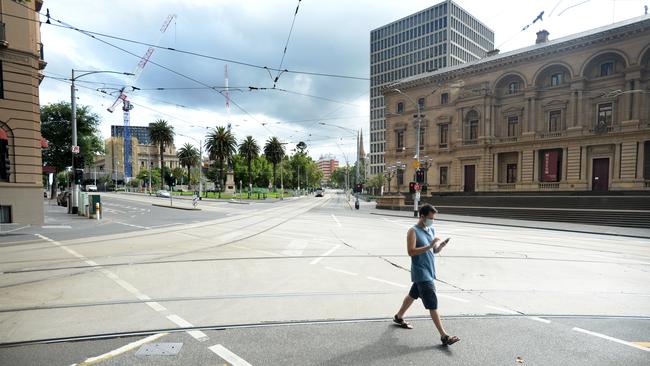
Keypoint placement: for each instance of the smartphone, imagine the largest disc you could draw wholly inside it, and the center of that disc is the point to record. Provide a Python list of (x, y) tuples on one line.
[(446, 241)]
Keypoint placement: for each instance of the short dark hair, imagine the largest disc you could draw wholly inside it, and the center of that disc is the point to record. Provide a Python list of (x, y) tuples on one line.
[(426, 209)]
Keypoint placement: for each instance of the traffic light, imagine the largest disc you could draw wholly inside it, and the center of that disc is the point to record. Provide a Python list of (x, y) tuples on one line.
[(423, 188), (419, 175), (358, 188), (78, 176), (412, 187), (79, 161)]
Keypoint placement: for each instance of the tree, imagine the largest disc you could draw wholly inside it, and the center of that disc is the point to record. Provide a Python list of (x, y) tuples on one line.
[(161, 134), (57, 130), (301, 147), (274, 152), (221, 145), (143, 175), (179, 175), (188, 156), (249, 150)]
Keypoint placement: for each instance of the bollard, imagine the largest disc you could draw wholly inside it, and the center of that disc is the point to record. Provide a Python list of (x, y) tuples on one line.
[(97, 210)]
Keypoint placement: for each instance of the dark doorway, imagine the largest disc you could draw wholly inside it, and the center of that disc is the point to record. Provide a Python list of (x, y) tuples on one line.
[(470, 178), (600, 179)]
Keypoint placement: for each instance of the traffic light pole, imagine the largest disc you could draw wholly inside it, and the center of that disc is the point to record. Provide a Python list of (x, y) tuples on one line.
[(73, 117)]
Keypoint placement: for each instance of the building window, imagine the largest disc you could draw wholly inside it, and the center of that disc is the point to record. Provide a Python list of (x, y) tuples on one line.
[(400, 140), (511, 173), (471, 127), (2, 82), (513, 87), (400, 177), (444, 98), (605, 114), (554, 121), (444, 135), (4, 157), (400, 107), (421, 103), (550, 167), (556, 79), (607, 68), (443, 175), (512, 126)]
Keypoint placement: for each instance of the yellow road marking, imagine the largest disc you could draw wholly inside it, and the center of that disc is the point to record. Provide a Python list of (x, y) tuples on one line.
[(642, 344)]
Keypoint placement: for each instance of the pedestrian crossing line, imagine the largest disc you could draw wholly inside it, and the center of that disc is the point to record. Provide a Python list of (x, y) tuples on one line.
[(228, 355), (453, 298), (325, 254), (385, 281), (196, 334), (501, 309)]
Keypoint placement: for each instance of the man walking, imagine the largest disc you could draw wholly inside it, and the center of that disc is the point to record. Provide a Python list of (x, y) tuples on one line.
[(421, 244)]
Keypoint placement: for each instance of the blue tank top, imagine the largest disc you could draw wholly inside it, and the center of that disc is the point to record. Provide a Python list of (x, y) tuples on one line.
[(422, 265)]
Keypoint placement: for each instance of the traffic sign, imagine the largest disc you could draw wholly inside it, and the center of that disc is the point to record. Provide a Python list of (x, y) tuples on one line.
[(416, 164), (75, 149)]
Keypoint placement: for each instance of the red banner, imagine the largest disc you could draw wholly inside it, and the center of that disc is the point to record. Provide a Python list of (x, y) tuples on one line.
[(550, 165)]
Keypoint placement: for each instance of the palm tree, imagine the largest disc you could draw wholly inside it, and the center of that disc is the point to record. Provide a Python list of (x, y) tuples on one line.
[(221, 145), (161, 134), (249, 150), (188, 156), (274, 151)]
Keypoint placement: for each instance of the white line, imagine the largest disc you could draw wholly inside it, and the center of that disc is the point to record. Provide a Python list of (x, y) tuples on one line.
[(542, 320), (501, 309), (127, 286), (337, 220), (138, 226), (196, 334), (341, 271), (123, 349), (384, 281), (452, 298), (12, 230), (325, 254), (56, 227), (611, 339), (156, 306), (228, 356), (92, 263)]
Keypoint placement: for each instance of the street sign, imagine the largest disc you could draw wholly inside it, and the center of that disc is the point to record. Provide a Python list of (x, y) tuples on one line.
[(416, 164), (75, 149)]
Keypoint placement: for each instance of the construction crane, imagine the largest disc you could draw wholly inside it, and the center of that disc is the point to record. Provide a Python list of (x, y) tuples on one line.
[(126, 104)]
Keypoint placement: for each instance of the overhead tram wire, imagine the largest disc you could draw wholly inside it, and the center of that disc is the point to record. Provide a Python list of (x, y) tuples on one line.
[(284, 52), (191, 53), (163, 67)]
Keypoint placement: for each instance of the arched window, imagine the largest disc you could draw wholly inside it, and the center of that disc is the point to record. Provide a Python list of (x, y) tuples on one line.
[(5, 163), (400, 107)]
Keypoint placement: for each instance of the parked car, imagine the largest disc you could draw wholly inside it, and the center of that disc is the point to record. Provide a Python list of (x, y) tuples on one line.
[(319, 192), (162, 193), (91, 188), (62, 198)]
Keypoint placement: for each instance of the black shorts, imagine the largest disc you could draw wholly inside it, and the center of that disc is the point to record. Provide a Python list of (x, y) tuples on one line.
[(426, 291)]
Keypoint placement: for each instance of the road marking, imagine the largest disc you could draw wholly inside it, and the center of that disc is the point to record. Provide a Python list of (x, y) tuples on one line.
[(56, 227), (125, 348), (337, 220), (452, 298), (228, 356), (138, 226), (501, 309), (127, 286), (325, 254), (341, 271), (196, 334), (542, 320), (643, 344), (163, 225), (384, 281), (92, 263), (599, 335), (295, 248)]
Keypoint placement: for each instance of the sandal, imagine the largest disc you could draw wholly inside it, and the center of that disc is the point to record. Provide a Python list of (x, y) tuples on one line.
[(402, 323), (448, 341)]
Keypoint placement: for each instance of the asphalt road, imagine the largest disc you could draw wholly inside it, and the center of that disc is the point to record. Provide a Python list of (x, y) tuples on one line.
[(546, 296)]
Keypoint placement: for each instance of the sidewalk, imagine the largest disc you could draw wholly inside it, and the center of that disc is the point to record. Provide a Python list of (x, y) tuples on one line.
[(541, 225)]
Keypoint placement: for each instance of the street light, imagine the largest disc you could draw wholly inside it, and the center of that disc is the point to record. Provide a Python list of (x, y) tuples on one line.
[(417, 146), (73, 117)]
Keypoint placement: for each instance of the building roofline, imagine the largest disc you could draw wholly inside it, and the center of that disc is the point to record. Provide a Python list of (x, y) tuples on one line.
[(452, 72)]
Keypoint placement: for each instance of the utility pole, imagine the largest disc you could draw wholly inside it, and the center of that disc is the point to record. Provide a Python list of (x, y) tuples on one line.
[(73, 117)]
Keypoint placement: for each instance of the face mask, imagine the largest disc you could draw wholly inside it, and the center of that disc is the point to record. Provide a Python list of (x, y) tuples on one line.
[(428, 222)]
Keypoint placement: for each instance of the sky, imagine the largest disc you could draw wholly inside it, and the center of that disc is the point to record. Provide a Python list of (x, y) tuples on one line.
[(328, 37)]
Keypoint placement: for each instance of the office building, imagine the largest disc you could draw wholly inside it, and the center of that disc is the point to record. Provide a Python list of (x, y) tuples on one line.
[(440, 36)]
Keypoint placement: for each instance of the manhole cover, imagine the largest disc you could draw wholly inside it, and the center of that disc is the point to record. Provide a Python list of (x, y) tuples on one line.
[(159, 349)]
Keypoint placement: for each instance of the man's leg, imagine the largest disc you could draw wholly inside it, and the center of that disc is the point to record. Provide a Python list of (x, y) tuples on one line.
[(437, 322), (408, 300)]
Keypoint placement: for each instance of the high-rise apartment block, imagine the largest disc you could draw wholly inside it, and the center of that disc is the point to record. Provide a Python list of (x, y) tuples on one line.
[(434, 38)]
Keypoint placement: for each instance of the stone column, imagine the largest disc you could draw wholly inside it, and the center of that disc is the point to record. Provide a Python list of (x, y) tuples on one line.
[(565, 162)]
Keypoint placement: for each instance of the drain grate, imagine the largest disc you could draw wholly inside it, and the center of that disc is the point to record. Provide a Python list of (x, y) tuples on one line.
[(159, 349)]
